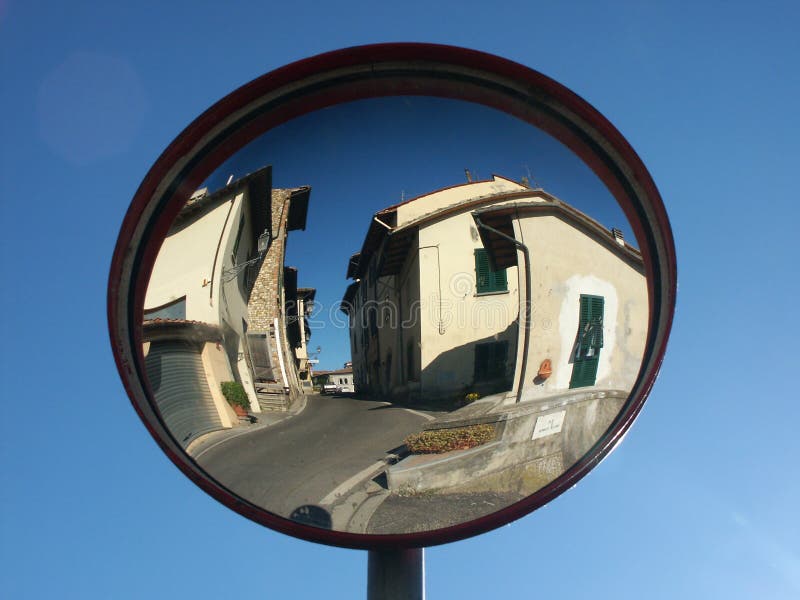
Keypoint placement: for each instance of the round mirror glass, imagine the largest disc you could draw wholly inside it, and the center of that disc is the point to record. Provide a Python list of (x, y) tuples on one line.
[(393, 316)]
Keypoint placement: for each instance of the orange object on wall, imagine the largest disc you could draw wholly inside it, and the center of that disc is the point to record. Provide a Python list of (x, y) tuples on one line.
[(545, 369)]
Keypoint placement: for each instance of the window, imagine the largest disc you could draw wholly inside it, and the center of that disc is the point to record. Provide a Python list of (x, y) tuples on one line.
[(486, 280), (260, 355), (490, 361), (237, 242), (251, 272), (588, 342)]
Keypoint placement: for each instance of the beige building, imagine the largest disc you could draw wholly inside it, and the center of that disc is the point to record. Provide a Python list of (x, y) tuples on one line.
[(298, 305), (215, 307), (495, 288), (341, 378)]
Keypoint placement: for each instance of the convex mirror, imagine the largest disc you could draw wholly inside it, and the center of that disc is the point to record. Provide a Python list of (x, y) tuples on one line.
[(392, 295)]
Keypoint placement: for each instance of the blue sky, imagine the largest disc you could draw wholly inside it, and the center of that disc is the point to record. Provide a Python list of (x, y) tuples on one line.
[(700, 500)]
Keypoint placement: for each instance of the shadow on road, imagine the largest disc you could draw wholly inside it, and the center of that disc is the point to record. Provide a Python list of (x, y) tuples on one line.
[(439, 406)]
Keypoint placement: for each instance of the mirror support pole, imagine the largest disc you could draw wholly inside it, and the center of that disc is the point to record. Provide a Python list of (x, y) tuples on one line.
[(396, 574)]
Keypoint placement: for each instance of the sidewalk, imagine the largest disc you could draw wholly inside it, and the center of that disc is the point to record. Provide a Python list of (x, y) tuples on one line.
[(426, 512), (374, 508), (264, 419)]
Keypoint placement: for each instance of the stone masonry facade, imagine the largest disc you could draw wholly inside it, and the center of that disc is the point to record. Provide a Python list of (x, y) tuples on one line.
[(266, 298)]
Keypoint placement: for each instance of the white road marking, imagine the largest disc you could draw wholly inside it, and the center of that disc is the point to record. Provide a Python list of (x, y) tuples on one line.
[(421, 414), (343, 488), (220, 442), (411, 410)]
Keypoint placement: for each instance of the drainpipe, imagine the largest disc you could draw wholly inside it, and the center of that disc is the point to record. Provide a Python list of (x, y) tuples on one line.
[(439, 283), (526, 343)]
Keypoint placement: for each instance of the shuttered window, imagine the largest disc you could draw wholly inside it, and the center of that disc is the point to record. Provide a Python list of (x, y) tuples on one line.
[(486, 280), (490, 361), (260, 356), (589, 341)]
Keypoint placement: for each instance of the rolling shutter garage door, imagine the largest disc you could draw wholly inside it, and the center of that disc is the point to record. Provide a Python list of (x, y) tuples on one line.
[(176, 375)]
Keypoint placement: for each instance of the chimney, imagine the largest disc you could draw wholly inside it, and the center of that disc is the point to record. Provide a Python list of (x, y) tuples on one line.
[(469, 175), (617, 233)]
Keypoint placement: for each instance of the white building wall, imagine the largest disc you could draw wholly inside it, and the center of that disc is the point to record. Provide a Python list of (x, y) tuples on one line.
[(439, 283), (454, 315), (565, 263), (192, 262), (185, 264), (232, 298)]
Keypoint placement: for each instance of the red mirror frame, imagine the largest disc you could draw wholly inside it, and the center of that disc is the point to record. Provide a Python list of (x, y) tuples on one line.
[(370, 72)]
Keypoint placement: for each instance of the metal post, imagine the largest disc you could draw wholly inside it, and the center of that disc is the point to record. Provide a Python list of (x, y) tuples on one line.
[(397, 574)]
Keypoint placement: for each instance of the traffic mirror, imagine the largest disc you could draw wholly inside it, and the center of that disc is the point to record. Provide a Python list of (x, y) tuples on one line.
[(484, 258)]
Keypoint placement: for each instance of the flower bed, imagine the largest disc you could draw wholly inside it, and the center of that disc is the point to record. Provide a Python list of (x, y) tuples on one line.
[(437, 441)]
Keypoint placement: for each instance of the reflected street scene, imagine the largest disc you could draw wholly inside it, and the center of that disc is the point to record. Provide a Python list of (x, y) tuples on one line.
[(394, 315)]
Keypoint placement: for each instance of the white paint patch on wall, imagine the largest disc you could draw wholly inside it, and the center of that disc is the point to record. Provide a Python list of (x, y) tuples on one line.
[(569, 318)]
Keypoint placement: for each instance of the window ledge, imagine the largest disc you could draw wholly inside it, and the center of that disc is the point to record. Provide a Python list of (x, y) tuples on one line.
[(479, 294)]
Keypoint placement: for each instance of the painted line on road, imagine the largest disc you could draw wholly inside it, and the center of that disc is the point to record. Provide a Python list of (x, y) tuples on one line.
[(345, 487), (421, 414), (228, 438)]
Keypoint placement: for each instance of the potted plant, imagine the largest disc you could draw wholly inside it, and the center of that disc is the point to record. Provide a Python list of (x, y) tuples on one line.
[(236, 396)]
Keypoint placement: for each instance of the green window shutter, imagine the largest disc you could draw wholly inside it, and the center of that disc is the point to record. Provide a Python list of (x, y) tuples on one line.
[(596, 306), (499, 282), (481, 270), (589, 341), (487, 280), (584, 372), (490, 361)]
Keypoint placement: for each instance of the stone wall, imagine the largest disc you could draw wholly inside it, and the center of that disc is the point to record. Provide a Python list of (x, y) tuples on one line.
[(521, 460), (265, 304)]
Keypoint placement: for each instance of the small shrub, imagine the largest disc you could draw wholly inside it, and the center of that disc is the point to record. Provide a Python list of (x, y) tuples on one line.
[(471, 397), (437, 441), (234, 393)]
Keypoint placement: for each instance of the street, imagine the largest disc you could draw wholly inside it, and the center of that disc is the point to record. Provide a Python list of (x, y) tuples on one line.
[(313, 457)]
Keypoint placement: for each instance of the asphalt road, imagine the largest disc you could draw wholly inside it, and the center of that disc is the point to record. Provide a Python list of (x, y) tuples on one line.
[(302, 460)]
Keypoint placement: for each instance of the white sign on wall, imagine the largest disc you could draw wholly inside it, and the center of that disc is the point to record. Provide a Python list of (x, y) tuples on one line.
[(548, 424)]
